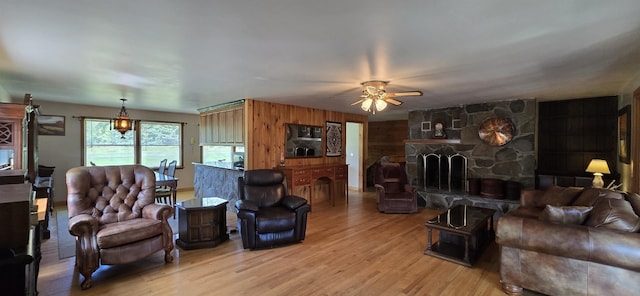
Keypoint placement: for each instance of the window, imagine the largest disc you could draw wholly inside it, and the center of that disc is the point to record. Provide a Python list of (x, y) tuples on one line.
[(219, 153), (159, 140), (147, 144)]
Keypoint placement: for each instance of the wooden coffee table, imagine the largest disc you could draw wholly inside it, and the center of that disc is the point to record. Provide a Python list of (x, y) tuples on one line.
[(464, 233)]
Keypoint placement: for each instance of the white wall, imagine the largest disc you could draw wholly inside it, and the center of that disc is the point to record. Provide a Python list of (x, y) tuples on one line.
[(64, 152)]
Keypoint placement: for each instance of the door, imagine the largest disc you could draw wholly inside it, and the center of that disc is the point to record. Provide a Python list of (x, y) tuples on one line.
[(354, 151)]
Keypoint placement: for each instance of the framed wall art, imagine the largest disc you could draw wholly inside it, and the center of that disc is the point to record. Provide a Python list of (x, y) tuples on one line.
[(624, 134), (50, 125), (334, 139)]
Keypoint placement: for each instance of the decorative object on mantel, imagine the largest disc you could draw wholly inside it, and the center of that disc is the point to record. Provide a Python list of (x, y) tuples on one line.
[(438, 129), (598, 167), (496, 131), (334, 139), (122, 123)]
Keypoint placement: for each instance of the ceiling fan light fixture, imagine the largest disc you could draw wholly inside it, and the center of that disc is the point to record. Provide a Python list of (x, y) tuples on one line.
[(375, 98), (122, 123), (366, 104), (380, 105)]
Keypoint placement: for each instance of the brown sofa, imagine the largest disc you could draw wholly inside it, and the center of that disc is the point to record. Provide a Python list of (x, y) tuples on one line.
[(571, 241), (113, 215)]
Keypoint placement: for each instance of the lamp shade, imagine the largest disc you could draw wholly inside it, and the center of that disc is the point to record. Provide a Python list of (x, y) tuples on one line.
[(598, 166)]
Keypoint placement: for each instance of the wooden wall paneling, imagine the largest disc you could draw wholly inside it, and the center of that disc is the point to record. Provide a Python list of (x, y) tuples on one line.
[(215, 127), (222, 131), (268, 120), (229, 128), (238, 126)]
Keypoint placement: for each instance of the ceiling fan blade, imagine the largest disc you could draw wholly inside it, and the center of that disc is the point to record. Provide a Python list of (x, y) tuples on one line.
[(405, 94), (392, 101), (358, 101)]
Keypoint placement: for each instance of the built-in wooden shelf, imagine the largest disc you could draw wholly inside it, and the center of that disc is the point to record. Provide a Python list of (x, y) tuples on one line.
[(433, 141)]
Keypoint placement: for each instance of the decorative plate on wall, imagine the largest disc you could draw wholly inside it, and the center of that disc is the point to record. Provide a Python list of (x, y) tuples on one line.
[(496, 131)]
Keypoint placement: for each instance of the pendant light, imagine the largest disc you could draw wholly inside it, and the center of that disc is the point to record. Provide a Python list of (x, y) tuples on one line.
[(122, 123)]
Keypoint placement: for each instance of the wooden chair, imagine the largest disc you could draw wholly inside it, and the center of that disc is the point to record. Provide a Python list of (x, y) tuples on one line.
[(163, 166), (163, 193)]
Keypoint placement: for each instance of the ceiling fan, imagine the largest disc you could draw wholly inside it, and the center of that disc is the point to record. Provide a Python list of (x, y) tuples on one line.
[(375, 98)]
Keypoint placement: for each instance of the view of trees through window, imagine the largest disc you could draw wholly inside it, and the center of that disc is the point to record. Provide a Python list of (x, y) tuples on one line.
[(158, 140)]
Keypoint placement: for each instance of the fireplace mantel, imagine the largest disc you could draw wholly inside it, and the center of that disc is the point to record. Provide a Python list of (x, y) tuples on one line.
[(433, 141)]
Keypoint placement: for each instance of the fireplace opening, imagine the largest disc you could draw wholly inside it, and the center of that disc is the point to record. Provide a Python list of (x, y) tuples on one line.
[(442, 172)]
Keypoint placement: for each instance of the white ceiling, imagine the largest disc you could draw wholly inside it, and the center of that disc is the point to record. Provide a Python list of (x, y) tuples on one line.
[(183, 55)]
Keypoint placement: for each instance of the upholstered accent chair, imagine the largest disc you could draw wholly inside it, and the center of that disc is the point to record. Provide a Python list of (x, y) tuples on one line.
[(267, 216), (114, 217), (395, 195)]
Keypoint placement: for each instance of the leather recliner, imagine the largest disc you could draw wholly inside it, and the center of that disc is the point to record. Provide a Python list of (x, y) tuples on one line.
[(267, 216), (113, 215), (395, 195)]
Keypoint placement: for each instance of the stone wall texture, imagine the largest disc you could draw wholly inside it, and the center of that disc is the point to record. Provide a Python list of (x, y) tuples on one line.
[(211, 181), (514, 161)]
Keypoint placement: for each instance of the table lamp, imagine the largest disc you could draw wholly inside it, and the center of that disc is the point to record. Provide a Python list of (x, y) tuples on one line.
[(598, 167)]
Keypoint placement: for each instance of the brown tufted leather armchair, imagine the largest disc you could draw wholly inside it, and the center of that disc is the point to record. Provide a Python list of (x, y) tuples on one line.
[(267, 216), (395, 195), (114, 218)]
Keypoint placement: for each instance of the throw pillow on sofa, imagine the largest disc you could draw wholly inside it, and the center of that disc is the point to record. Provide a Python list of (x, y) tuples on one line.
[(590, 196), (558, 196), (614, 214), (565, 215)]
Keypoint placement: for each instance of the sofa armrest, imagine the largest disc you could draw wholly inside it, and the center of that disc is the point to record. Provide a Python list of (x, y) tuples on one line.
[(157, 211), (293, 202), (528, 197), (246, 205), (579, 242)]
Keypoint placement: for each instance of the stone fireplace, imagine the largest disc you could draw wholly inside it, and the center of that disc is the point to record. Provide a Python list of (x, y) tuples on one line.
[(464, 154)]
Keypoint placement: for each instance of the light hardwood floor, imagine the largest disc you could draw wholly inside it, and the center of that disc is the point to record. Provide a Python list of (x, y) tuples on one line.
[(349, 250)]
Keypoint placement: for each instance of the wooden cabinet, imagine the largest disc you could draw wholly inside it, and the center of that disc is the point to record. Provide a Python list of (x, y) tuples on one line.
[(222, 126), (18, 138), (202, 223), (307, 181)]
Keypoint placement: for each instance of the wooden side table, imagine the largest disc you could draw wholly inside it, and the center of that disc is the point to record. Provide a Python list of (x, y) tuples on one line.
[(202, 223)]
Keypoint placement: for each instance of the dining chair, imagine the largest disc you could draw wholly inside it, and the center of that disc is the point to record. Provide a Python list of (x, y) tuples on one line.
[(163, 166), (163, 193)]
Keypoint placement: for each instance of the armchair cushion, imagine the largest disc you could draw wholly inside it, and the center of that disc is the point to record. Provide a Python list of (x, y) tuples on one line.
[(121, 233), (275, 219)]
